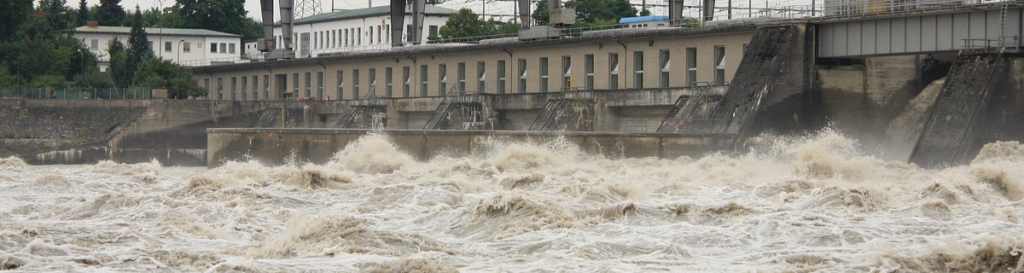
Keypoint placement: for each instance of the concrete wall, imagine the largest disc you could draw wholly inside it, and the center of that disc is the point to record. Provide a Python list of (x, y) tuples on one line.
[(173, 131), (274, 146)]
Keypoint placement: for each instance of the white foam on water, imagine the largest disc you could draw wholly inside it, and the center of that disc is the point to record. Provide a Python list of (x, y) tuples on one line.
[(809, 203)]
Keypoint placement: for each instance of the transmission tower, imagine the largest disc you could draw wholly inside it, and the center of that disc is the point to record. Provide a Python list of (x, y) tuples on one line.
[(306, 8)]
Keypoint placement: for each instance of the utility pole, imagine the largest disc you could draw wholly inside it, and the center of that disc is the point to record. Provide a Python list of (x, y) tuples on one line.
[(159, 15)]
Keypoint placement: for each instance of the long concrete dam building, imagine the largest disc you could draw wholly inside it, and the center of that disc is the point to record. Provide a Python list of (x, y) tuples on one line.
[(658, 58)]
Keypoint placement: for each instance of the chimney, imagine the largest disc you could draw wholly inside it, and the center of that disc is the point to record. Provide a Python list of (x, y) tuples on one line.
[(92, 23)]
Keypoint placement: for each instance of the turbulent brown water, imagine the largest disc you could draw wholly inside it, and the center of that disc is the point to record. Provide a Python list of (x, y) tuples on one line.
[(794, 204)]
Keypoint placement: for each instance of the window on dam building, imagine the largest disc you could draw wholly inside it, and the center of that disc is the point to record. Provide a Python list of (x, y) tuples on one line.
[(638, 69), (423, 80), (589, 65), (266, 86), (309, 84), (255, 88), (245, 87), (664, 64), (691, 66), (373, 80), (320, 85), (481, 75), (719, 64), (566, 72), (406, 84), (501, 76), (613, 67), (355, 84), (543, 74), (295, 86), (442, 79), (388, 82), (522, 75), (341, 85), (461, 70)]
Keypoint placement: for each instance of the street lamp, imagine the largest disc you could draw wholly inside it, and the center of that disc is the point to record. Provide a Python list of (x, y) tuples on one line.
[(52, 27), (159, 16), (80, 52), (179, 50)]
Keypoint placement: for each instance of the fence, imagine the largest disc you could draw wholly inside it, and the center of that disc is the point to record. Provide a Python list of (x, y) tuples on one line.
[(72, 93)]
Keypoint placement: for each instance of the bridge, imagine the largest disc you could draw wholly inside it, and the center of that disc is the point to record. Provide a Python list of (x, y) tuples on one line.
[(921, 31)]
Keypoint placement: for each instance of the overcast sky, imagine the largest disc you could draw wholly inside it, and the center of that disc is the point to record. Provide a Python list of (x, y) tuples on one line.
[(504, 9)]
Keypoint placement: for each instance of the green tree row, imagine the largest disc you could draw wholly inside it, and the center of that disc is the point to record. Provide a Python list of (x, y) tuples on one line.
[(466, 23), (36, 50)]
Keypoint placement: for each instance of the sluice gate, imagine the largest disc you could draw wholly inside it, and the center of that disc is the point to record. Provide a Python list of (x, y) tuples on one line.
[(691, 113), (565, 115), (368, 113), (457, 111)]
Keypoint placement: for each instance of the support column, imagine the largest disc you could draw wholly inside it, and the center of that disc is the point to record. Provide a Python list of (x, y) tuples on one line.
[(675, 12), (418, 8), (397, 22), (524, 13), (708, 10)]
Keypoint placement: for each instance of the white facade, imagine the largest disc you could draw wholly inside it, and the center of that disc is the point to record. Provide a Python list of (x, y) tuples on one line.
[(182, 46), (355, 30)]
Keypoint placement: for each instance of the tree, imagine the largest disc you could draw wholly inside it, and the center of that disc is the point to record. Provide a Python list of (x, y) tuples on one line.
[(110, 13), (540, 14), (118, 63), (139, 49), (12, 14), (83, 13), (218, 15), (50, 81), (164, 73), (7, 80), (508, 27), (465, 23), (92, 79), (37, 57), (82, 59), (645, 12), (151, 17), (56, 12), (592, 12)]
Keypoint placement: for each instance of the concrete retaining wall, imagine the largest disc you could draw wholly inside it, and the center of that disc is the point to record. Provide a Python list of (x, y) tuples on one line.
[(275, 146)]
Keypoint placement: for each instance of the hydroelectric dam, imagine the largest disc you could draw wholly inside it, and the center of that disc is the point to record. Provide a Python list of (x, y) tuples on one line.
[(929, 87)]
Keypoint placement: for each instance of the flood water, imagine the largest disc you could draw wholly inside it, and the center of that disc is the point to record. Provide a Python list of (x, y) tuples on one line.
[(790, 204)]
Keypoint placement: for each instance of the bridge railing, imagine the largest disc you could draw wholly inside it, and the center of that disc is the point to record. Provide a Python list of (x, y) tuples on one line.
[(1012, 43)]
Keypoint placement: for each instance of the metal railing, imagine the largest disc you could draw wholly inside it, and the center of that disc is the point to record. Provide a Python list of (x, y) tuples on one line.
[(1012, 43), (74, 93)]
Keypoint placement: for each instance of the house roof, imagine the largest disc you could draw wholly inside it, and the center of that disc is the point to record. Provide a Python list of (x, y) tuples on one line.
[(164, 31), (367, 12)]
